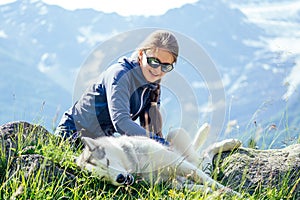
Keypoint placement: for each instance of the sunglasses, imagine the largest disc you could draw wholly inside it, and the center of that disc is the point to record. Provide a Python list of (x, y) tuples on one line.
[(155, 63)]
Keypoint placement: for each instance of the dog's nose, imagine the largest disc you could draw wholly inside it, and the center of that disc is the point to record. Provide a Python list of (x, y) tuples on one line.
[(129, 179), (125, 180), (121, 179)]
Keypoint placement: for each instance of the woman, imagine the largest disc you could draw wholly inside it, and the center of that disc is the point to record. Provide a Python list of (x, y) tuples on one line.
[(126, 91)]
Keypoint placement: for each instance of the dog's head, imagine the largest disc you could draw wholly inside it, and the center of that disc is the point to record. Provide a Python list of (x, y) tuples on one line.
[(98, 158)]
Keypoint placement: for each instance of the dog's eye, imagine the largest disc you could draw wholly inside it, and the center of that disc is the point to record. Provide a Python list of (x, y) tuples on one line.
[(99, 153)]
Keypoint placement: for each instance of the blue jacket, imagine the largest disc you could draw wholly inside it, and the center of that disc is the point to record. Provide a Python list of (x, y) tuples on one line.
[(112, 104)]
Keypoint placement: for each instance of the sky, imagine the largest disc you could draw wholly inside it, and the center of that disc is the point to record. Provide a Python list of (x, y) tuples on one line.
[(124, 8)]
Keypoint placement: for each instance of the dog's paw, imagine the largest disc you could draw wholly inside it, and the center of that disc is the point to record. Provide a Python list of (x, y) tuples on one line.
[(225, 145), (230, 144), (218, 147)]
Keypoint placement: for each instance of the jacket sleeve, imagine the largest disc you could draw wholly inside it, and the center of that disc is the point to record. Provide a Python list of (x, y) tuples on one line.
[(118, 90)]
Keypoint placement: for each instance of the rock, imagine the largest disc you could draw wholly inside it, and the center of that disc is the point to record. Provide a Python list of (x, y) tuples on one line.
[(34, 164), (19, 141), (253, 170), (12, 132)]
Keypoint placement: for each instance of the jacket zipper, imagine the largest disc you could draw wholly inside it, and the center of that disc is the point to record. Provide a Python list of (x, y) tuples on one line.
[(142, 102)]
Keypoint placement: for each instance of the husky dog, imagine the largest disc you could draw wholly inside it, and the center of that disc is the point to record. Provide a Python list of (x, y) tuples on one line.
[(118, 159)]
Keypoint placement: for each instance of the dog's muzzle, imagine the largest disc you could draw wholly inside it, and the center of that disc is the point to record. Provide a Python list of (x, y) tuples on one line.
[(128, 179)]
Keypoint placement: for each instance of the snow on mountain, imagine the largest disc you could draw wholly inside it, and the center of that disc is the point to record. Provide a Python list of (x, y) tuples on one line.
[(42, 48), (281, 20)]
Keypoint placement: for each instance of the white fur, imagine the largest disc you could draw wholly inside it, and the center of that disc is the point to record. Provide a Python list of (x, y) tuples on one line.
[(111, 157)]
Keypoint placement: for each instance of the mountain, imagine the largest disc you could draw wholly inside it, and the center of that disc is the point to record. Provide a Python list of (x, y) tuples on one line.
[(43, 47)]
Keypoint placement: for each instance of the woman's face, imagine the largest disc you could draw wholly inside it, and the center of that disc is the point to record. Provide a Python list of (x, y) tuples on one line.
[(154, 74)]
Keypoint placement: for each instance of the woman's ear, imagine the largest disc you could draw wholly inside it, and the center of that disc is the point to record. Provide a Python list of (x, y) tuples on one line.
[(140, 54)]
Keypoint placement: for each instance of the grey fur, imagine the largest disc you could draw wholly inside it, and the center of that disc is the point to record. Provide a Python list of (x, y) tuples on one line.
[(129, 153), (99, 153)]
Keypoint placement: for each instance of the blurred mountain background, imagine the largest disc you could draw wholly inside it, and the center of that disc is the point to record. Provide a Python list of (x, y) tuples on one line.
[(255, 47)]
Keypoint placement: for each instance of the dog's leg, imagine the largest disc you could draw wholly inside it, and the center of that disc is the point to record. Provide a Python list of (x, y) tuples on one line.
[(187, 169), (197, 175), (201, 136), (181, 143), (183, 182)]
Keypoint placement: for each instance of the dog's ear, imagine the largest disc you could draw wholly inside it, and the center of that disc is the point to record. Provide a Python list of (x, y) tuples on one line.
[(89, 143)]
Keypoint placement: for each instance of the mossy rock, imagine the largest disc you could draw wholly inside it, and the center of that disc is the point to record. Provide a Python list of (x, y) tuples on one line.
[(255, 170)]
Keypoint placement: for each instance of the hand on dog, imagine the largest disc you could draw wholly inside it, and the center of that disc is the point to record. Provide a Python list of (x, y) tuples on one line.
[(160, 140)]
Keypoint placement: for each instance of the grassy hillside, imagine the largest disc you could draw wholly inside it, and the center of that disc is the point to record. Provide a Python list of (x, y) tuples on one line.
[(38, 165)]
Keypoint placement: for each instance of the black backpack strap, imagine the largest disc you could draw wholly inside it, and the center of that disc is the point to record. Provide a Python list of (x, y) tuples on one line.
[(150, 117)]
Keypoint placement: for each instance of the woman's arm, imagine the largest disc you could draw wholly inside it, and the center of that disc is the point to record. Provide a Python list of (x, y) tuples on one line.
[(118, 91)]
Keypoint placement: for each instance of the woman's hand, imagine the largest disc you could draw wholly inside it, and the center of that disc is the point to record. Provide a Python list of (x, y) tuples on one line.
[(160, 140)]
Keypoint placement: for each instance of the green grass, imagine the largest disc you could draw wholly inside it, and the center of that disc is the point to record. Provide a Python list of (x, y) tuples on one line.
[(42, 182)]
